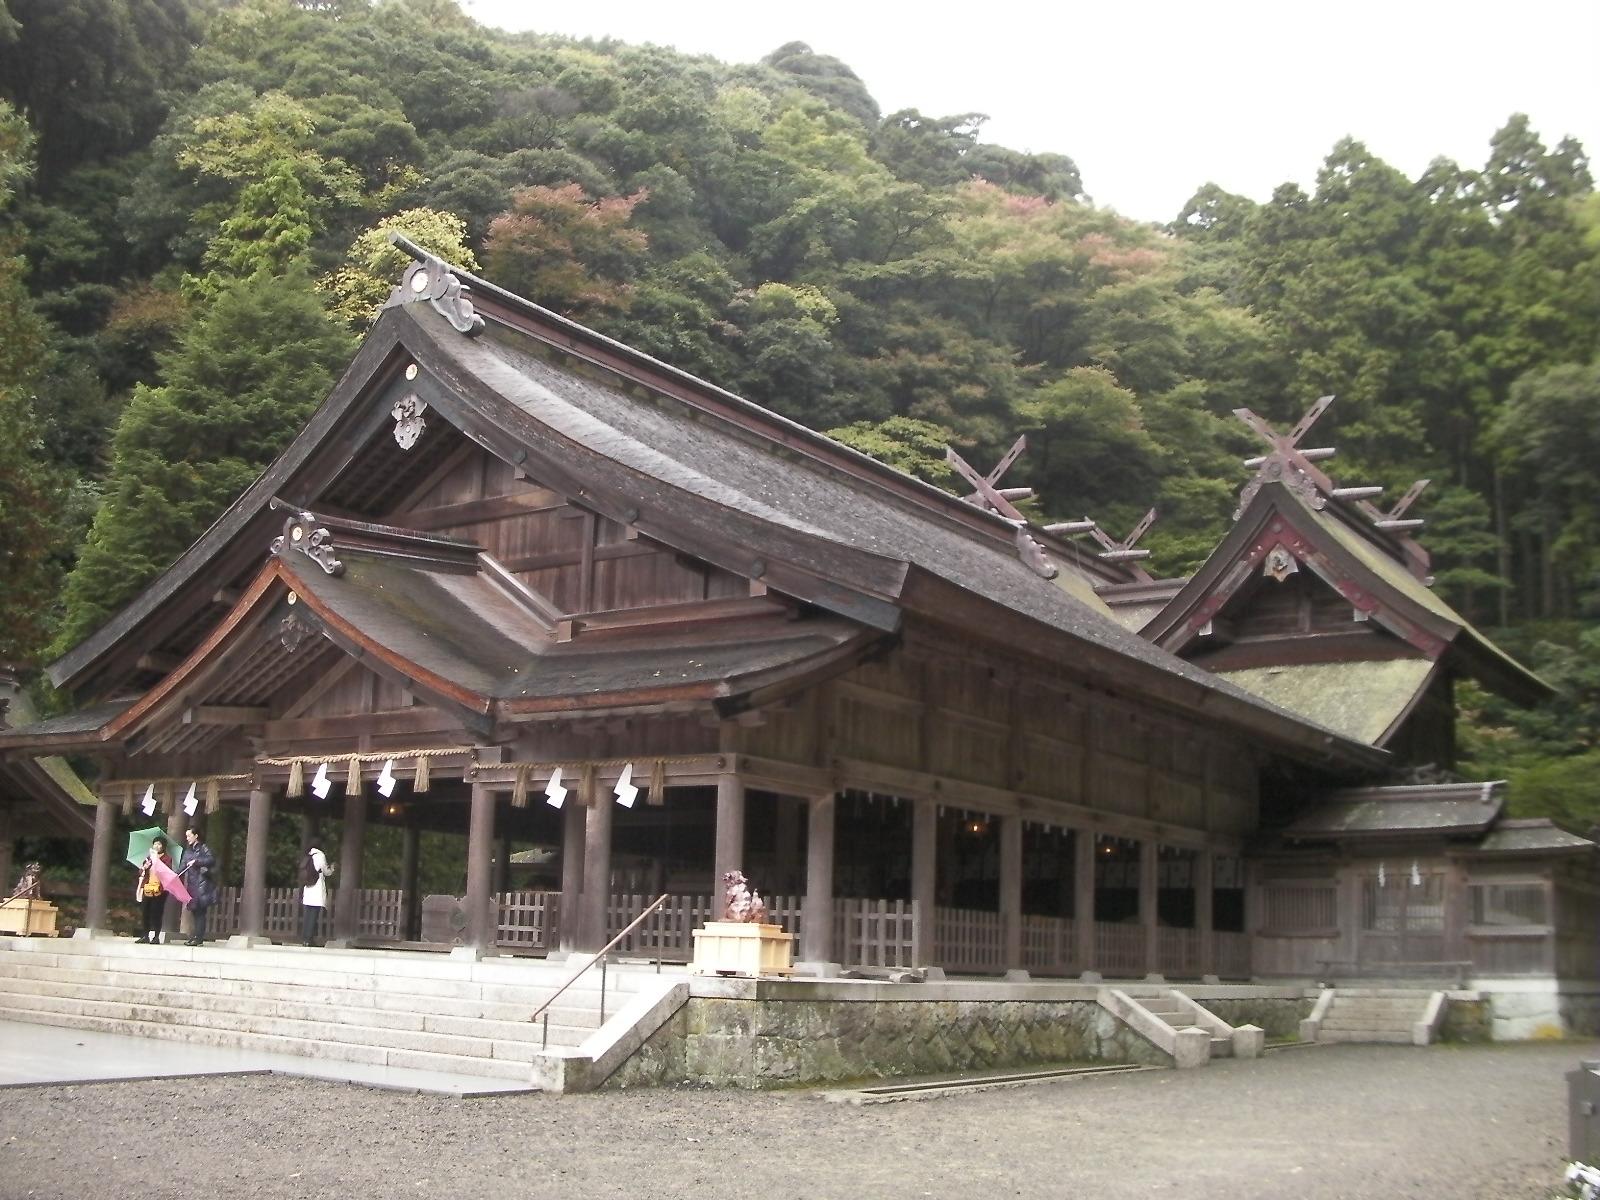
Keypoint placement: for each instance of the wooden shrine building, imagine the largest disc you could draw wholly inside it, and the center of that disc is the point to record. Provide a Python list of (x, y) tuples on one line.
[(39, 796), (510, 562)]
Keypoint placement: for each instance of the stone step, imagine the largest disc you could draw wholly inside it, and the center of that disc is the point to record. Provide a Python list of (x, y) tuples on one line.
[(574, 1024), (1380, 1005), (1396, 1026), (519, 990), (1364, 1035), (570, 1008), (288, 1028), (213, 977), (231, 1039), (1415, 994)]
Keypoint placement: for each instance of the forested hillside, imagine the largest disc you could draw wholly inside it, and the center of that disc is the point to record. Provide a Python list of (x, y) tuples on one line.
[(193, 195)]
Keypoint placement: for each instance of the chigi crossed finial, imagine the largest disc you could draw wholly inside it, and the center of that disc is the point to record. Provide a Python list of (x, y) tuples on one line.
[(1296, 468)]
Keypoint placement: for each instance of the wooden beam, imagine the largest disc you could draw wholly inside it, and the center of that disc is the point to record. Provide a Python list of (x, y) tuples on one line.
[(574, 558), (386, 724), (155, 660), (219, 714), (321, 687), (473, 512)]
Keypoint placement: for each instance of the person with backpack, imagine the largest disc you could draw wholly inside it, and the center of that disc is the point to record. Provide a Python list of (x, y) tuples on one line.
[(314, 872)]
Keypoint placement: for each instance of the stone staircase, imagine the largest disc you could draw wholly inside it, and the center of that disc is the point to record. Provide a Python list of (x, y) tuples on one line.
[(1191, 1034), (428, 1012), (1410, 1016)]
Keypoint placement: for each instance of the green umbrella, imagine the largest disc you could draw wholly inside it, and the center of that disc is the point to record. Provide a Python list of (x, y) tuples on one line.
[(139, 846)]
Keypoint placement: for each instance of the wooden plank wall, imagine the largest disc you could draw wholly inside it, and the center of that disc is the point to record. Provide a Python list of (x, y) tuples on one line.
[(578, 560), (949, 707)]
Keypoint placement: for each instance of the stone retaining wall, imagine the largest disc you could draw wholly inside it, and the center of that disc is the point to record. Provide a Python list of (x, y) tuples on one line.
[(1279, 1016), (792, 1034)]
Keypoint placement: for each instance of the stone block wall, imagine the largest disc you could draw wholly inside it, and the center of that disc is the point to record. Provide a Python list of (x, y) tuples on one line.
[(1279, 1016), (783, 1043), (1466, 1021)]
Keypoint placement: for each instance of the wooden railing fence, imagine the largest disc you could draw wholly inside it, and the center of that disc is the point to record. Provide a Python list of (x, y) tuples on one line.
[(874, 933)]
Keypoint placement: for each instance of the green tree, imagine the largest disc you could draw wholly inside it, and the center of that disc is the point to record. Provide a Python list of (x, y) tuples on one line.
[(906, 444), (246, 376), (29, 504), (373, 265), (89, 73), (566, 250)]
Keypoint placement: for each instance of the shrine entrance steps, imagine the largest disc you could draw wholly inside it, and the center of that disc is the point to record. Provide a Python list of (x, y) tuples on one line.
[(1174, 1023), (424, 1011), (1410, 1016)]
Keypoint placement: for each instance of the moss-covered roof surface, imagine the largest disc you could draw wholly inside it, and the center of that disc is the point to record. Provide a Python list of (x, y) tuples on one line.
[(1361, 700)]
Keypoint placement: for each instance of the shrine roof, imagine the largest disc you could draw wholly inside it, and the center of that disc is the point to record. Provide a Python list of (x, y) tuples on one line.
[(45, 795), (1454, 809), (1356, 562), (1362, 700), (470, 630), (1538, 835), (696, 469)]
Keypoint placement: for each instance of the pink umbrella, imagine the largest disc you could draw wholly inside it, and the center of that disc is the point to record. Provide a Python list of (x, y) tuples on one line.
[(169, 880)]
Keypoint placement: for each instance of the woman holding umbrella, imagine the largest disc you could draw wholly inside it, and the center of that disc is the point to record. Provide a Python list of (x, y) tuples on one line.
[(198, 864), (152, 890)]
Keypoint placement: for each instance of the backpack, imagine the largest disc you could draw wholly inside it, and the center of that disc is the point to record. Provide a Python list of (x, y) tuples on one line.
[(308, 871)]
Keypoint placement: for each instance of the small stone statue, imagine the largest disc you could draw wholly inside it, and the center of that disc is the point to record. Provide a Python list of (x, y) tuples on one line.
[(741, 901), (30, 886)]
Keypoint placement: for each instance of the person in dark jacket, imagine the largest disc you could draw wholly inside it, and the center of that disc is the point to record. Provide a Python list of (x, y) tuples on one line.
[(199, 867)]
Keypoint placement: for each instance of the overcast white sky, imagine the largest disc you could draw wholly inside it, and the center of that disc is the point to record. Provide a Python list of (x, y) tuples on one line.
[(1153, 98)]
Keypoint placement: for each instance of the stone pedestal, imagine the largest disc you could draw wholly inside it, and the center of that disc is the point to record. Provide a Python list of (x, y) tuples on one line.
[(742, 948), (28, 918)]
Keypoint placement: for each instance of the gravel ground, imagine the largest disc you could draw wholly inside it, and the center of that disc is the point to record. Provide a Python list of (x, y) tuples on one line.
[(1485, 1122)]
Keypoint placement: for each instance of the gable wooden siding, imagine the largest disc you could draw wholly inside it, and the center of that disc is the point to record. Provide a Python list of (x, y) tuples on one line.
[(580, 561)]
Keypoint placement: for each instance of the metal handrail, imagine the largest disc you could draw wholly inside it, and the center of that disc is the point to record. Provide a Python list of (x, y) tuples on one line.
[(600, 957)]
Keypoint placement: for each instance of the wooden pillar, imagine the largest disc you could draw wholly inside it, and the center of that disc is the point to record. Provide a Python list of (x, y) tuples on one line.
[(220, 829), (257, 837), (1456, 901), (817, 930), (1011, 890), (8, 840), (573, 833), (729, 854), (502, 865), (352, 851), (924, 878), (1149, 880), (100, 850), (1204, 918), (481, 914), (1083, 899), (596, 874), (410, 897), (177, 822)]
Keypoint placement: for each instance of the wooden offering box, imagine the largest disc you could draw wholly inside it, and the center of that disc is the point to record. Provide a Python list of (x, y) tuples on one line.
[(742, 948), (28, 918)]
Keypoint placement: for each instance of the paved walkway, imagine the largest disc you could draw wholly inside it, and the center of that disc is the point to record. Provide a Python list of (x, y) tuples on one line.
[(31, 1055), (1349, 1121)]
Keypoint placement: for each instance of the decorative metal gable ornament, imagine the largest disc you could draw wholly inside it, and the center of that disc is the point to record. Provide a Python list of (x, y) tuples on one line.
[(293, 631), (1280, 564), (301, 532), (432, 280), (408, 422)]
